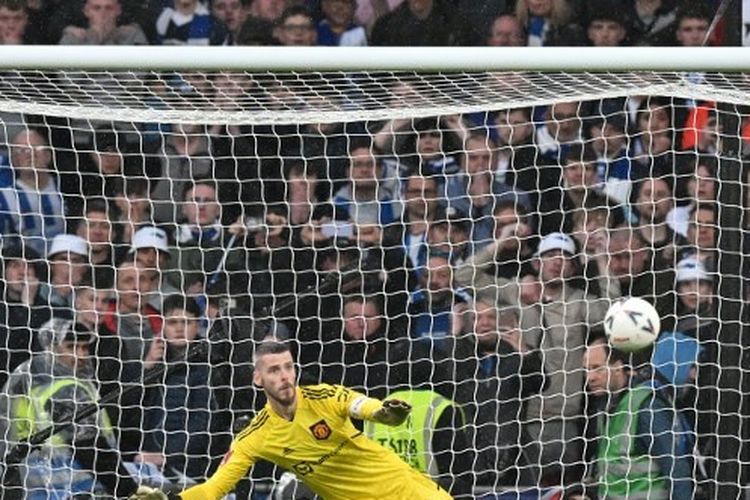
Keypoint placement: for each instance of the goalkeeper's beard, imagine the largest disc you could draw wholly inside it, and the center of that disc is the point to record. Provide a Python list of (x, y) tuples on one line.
[(283, 396)]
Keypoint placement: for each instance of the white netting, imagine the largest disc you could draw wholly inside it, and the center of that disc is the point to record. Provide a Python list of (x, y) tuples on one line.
[(462, 233)]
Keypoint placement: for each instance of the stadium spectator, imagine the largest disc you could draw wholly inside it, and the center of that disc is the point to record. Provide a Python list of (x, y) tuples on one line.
[(562, 127), (691, 24), (233, 13), (700, 188), (652, 21), (133, 209), (442, 452), (701, 235), (695, 292), (302, 193), (90, 305), (369, 12), (68, 259), (255, 31), (150, 249), (189, 22), (14, 20), (24, 310), (103, 29), (579, 192), (615, 168), (30, 201), (129, 342), (495, 370), (337, 27), (268, 10), (370, 200), (640, 273), (556, 318), (202, 241), (653, 203), (177, 420), (103, 167), (475, 191), (423, 23), (186, 155), (506, 31), (549, 22), (429, 148), (448, 233), (436, 306), (606, 25), (81, 460), (372, 352), (95, 227), (702, 128), (516, 154), (508, 254), (421, 207), (652, 140), (296, 27), (655, 459)]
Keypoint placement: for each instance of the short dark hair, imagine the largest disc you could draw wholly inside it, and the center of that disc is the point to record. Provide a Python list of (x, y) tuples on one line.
[(613, 355), (14, 4), (509, 203), (95, 205), (581, 152), (364, 299), (693, 10), (270, 347), (297, 10), (710, 163), (362, 142), (178, 301), (703, 206)]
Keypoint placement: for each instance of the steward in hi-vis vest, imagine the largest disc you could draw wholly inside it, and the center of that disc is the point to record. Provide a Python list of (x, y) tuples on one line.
[(50, 388), (643, 447), (430, 439)]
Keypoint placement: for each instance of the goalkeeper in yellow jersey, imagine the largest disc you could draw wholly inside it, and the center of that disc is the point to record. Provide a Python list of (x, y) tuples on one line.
[(308, 431)]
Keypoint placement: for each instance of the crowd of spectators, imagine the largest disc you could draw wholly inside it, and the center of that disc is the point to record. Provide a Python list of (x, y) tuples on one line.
[(476, 254), (600, 23)]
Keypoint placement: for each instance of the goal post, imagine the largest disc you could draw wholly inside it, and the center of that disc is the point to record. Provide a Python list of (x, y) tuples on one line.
[(462, 140)]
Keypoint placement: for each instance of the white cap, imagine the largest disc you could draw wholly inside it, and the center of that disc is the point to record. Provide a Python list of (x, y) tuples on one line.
[(692, 269), (68, 243), (150, 237), (556, 241)]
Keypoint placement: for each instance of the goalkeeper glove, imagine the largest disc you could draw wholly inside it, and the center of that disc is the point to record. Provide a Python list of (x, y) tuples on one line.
[(393, 412), (146, 493)]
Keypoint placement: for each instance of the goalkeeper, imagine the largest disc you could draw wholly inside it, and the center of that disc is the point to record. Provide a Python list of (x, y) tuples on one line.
[(307, 430)]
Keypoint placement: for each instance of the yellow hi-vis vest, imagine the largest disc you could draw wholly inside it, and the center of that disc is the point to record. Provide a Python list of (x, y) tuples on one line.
[(30, 415), (412, 440)]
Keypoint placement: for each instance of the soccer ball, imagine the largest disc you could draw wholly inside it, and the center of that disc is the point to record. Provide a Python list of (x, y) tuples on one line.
[(631, 324)]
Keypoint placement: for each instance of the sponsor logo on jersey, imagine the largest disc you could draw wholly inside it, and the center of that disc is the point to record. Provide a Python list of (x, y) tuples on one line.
[(320, 430), (306, 467)]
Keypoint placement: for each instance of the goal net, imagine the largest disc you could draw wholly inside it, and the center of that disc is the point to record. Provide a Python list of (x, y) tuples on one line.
[(452, 239)]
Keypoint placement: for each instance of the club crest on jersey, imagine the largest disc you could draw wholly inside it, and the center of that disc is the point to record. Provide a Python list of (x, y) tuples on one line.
[(320, 430)]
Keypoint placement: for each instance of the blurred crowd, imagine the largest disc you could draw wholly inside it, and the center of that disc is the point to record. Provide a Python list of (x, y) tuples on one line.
[(471, 255), (600, 23)]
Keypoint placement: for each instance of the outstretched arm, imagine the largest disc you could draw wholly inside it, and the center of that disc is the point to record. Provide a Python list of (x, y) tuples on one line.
[(236, 463), (389, 412)]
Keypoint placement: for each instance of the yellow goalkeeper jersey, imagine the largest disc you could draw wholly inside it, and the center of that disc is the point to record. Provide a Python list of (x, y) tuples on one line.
[(324, 449)]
